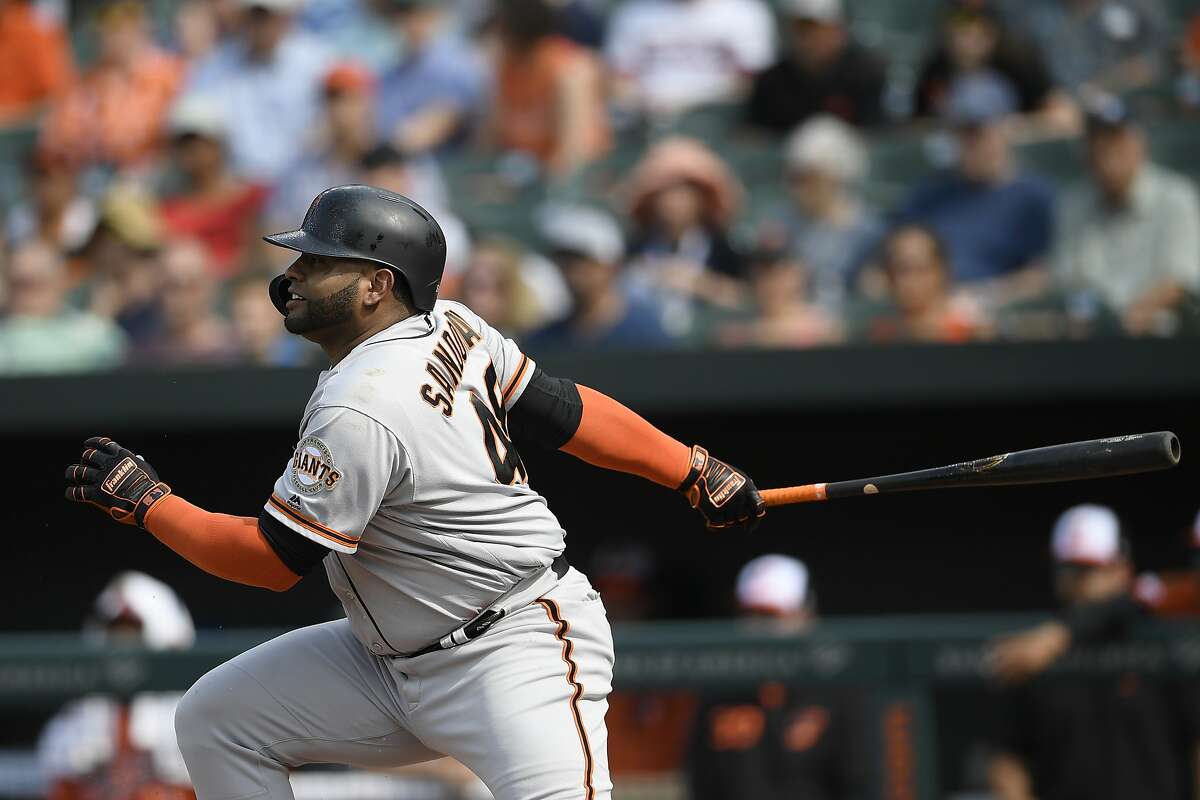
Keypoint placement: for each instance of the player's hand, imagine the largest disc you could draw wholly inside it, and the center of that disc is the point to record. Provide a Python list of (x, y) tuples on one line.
[(113, 479), (724, 495), (1020, 656)]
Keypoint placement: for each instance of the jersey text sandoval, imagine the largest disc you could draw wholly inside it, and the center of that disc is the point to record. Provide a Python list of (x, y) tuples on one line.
[(446, 365)]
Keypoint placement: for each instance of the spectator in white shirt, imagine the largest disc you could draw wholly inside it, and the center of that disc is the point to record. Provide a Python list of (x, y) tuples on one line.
[(268, 80), (672, 55), (1133, 235)]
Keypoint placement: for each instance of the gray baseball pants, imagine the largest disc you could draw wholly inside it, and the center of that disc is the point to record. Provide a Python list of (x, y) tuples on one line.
[(522, 706)]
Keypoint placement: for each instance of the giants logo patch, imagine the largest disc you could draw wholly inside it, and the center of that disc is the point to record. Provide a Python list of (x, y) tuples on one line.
[(313, 468)]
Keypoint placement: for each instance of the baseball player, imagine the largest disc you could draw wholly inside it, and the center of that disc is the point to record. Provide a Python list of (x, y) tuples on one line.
[(467, 634)]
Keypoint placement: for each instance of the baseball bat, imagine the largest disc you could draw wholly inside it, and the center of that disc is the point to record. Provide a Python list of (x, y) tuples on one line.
[(1095, 458)]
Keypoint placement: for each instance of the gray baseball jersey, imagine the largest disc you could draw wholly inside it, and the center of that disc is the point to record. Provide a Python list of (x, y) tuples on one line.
[(405, 470)]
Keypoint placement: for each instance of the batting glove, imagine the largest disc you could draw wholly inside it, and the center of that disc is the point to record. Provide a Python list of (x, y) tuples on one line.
[(113, 479), (724, 495)]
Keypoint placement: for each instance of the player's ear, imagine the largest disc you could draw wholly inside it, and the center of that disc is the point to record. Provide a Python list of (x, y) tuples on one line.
[(380, 287)]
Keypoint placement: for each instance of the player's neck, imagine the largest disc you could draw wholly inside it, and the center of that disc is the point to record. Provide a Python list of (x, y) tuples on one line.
[(339, 343)]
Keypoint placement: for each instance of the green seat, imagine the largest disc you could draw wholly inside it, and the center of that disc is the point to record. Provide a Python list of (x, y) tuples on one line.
[(898, 162), (16, 145), (1176, 144), (495, 194), (1061, 159)]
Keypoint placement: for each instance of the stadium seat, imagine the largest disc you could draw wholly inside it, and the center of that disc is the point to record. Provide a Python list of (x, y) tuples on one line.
[(15, 146), (1173, 144)]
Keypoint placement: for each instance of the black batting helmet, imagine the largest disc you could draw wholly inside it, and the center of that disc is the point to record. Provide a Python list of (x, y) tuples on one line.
[(370, 224)]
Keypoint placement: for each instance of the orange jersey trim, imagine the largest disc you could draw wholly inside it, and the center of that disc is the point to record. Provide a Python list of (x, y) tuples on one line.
[(515, 381), (564, 628), (311, 525)]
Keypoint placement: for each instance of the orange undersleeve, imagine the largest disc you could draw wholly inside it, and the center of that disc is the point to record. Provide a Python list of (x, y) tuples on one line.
[(613, 437), (226, 546)]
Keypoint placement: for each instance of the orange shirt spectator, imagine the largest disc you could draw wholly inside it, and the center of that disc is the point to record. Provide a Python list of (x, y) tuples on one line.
[(35, 60), (549, 96), (115, 113)]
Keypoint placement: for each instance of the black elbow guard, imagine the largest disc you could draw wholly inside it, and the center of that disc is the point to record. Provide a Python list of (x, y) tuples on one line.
[(297, 553), (547, 413)]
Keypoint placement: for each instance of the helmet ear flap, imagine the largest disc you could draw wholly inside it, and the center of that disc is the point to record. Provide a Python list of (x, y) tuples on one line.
[(280, 290)]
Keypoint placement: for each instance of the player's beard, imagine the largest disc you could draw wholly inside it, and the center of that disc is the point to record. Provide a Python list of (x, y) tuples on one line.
[(322, 312)]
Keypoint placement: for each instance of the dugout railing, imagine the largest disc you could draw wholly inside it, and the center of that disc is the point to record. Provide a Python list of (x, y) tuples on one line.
[(900, 665)]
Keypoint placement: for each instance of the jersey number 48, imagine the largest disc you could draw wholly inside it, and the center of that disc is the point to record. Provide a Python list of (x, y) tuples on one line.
[(506, 461)]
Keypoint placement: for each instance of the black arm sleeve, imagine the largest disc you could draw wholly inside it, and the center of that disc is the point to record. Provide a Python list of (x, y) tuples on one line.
[(296, 552), (547, 413), (1102, 620)]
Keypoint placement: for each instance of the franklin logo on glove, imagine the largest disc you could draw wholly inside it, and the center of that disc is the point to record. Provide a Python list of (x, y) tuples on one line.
[(119, 474)]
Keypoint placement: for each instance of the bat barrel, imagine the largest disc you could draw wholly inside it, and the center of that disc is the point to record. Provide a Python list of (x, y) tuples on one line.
[(1095, 458)]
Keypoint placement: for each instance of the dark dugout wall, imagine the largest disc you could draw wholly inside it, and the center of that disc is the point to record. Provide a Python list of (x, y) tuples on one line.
[(221, 439)]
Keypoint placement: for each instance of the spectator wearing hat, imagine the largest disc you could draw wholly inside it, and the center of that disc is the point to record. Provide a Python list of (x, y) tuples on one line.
[(117, 268), (1105, 46), (346, 148), (549, 92), (431, 98), (35, 61), (211, 205), (1123, 736), (114, 114), (39, 331), (668, 56), (782, 740), (922, 306), (997, 223), (682, 200), (1132, 236), (587, 246), (105, 746), (333, 154), (823, 71), (829, 226), (973, 37), (267, 79)]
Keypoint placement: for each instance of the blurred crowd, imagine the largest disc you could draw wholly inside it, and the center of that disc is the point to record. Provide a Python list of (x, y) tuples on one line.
[(641, 174)]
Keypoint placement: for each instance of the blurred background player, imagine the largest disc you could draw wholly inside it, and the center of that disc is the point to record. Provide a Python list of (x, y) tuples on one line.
[(1113, 736), (110, 748), (1170, 594), (782, 741)]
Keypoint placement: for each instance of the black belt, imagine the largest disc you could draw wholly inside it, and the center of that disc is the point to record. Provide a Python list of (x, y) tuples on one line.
[(484, 620)]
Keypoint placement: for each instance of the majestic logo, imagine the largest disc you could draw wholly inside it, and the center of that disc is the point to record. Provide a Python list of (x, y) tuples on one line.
[(313, 468), (294, 501)]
